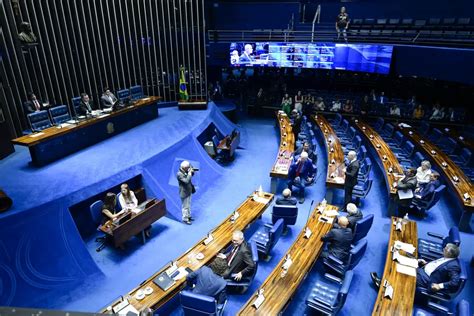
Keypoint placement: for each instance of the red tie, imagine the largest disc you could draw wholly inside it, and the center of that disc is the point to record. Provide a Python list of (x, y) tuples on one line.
[(298, 170)]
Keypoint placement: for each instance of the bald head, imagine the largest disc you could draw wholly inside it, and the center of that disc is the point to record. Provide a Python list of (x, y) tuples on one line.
[(286, 193), (343, 221), (304, 155), (351, 155), (351, 208), (185, 165)]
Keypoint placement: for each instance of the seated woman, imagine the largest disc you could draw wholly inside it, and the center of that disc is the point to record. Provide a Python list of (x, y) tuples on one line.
[(286, 104), (348, 107), (127, 199), (108, 209), (418, 112)]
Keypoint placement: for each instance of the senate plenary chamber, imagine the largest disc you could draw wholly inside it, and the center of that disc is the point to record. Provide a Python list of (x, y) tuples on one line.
[(236, 157)]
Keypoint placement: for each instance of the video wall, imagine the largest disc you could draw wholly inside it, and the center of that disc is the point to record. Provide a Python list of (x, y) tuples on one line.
[(352, 57)]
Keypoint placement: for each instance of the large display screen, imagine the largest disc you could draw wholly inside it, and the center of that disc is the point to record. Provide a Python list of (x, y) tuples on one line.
[(353, 57)]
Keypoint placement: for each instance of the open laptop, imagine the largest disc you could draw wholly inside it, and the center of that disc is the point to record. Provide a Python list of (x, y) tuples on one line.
[(124, 219)]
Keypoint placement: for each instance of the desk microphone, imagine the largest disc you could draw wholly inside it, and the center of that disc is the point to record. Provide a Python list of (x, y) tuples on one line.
[(309, 212)]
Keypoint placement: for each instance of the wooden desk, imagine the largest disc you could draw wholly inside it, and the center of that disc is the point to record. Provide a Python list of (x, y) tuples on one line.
[(136, 224), (249, 211), (56, 142), (464, 141), (335, 177), (279, 290), (287, 147), (449, 171), (387, 158), (404, 286)]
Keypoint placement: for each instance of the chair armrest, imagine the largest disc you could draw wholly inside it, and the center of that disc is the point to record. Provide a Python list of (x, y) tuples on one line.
[(438, 307), (321, 302), (334, 259), (268, 225), (435, 235), (332, 278)]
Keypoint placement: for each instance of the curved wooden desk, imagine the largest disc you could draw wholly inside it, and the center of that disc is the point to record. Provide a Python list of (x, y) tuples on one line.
[(278, 290), (387, 160), (249, 211), (287, 147), (449, 170), (404, 286)]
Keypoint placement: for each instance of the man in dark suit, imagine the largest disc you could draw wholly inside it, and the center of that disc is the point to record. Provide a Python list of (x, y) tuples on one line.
[(441, 275), (296, 120), (85, 106), (239, 258), (351, 171), (208, 280), (300, 174), (353, 215), (286, 198), (33, 104), (108, 99), (405, 185), (339, 240), (307, 148), (425, 191)]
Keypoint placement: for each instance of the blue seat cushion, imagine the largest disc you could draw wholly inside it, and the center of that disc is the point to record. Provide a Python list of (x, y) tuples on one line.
[(324, 292)]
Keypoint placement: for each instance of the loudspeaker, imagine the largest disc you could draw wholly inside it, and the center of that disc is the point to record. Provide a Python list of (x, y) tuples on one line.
[(6, 147), (5, 202)]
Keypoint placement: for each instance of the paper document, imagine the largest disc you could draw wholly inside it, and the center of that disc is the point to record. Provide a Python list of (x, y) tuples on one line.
[(331, 213), (339, 179), (405, 194), (325, 219), (36, 135), (410, 262), (406, 270), (405, 247), (259, 301), (260, 199), (182, 273)]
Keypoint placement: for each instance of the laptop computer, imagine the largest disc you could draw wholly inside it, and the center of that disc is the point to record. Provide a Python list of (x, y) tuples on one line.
[(164, 281), (124, 219)]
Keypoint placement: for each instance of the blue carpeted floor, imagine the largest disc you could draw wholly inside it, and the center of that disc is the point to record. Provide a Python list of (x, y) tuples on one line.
[(123, 270)]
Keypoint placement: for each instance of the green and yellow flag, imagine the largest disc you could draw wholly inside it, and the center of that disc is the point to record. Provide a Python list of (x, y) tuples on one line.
[(183, 91)]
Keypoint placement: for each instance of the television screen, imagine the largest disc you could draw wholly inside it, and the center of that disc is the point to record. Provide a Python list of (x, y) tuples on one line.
[(353, 57)]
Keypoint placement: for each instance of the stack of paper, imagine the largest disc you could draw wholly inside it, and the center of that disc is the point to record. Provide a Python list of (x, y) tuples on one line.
[(405, 247), (260, 199), (406, 270), (331, 213), (406, 261)]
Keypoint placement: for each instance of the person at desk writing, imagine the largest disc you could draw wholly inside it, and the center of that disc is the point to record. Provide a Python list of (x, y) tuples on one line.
[(108, 99), (208, 280), (239, 258), (85, 106)]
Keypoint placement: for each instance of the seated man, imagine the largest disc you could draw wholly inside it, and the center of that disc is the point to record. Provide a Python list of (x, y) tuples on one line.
[(353, 214), (108, 99), (208, 280), (426, 191), (300, 174), (296, 122), (85, 106), (239, 258), (440, 275), (286, 199), (405, 184), (339, 240), (33, 104), (307, 148)]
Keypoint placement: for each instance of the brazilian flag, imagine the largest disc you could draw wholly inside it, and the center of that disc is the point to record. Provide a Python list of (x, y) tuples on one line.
[(183, 91)]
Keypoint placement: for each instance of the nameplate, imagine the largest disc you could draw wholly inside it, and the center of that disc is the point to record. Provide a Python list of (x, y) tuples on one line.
[(388, 293), (259, 301), (208, 240), (307, 233), (120, 306)]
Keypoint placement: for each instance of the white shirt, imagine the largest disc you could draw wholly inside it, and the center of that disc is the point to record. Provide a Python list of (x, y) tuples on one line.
[(423, 176), (395, 111), (336, 106), (433, 265), (131, 203)]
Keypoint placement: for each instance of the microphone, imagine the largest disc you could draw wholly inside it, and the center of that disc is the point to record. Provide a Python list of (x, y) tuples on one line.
[(309, 212)]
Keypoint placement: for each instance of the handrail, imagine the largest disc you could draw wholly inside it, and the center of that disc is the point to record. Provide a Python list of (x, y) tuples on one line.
[(317, 16)]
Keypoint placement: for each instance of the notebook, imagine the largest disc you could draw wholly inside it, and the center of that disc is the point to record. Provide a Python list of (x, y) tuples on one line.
[(164, 281)]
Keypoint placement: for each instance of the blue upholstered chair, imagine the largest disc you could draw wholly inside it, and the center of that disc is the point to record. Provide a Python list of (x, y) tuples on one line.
[(362, 228), (343, 128), (329, 293), (464, 159), (378, 125), (59, 114), (347, 138), (435, 135), (364, 171), (387, 131), (362, 153), (448, 145), (463, 308), (267, 236), (136, 92), (423, 205), (334, 265), (405, 153), (96, 215), (424, 128), (396, 141), (445, 297), (354, 145), (245, 282), (39, 120), (197, 304), (123, 95), (337, 120), (75, 105), (430, 249), (361, 190), (289, 214)]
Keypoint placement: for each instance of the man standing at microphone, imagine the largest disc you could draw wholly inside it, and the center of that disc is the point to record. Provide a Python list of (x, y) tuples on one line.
[(186, 189)]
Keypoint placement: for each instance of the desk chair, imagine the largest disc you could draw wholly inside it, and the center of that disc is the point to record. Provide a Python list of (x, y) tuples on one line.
[(329, 293), (423, 205), (197, 304), (364, 171), (362, 228), (123, 95), (245, 282), (75, 105), (267, 236), (379, 124), (136, 92), (96, 214), (289, 214), (339, 267), (59, 114), (430, 249), (39, 120), (361, 190)]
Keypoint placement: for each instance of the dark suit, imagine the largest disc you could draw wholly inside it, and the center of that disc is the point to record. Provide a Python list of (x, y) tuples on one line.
[(407, 183), (30, 107), (286, 201), (241, 262), (311, 154), (108, 100), (339, 242), (426, 191), (303, 170), (352, 171), (296, 126), (206, 282), (447, 273), (84, 108), (354, 218)]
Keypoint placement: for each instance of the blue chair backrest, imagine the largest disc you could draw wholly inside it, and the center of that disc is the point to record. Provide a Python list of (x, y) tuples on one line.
[(462, 278), (435, 134), (362, 227), (75, 104), (123, 94), (346, 285), (59, 114), (362, 152), (96, 211), (463, 308), (466, 155), (39, 120), (453, 237), (388, 128), (398, 137), (418, 159), (368, 163), (118, 204), (437, 194), (345, 125), (288, 213), (356, 253), (215, 140), (276, 232), (338, 119), (254, 249), (357, 141), (379, 124), (197, 304), (424, 127), (136, 92), (352, 132), (409, 147)]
